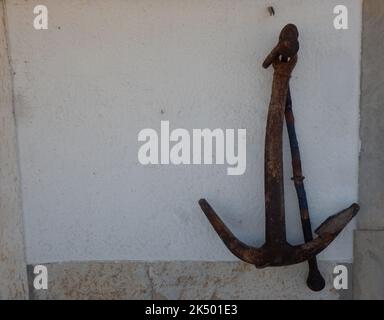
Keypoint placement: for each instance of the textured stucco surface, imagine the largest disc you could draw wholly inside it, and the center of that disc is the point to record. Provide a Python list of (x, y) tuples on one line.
[(369, 265), (179, 280), (107, 69), (369, 240), (13, 275)]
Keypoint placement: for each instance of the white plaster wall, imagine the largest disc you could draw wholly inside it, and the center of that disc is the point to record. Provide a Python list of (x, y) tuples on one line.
[(107, 69)]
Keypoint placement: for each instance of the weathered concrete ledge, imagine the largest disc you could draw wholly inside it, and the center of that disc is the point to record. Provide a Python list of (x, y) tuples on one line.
[(369, 265), (179, 280)]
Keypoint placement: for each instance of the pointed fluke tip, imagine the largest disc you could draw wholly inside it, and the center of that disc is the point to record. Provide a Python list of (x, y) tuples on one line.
[(336, 223)]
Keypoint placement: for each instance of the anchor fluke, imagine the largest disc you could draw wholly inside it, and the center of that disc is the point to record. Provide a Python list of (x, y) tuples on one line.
[(237, 247), (336, 223)]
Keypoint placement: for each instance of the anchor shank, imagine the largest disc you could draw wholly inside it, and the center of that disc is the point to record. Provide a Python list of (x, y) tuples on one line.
[(273, 162)]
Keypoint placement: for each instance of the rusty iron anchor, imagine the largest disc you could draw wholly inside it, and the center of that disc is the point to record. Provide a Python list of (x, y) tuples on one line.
[(277, 251)]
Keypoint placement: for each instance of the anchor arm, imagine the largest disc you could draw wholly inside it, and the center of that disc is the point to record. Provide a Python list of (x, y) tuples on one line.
[(284, 254), (239, 249), (327, 232)]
